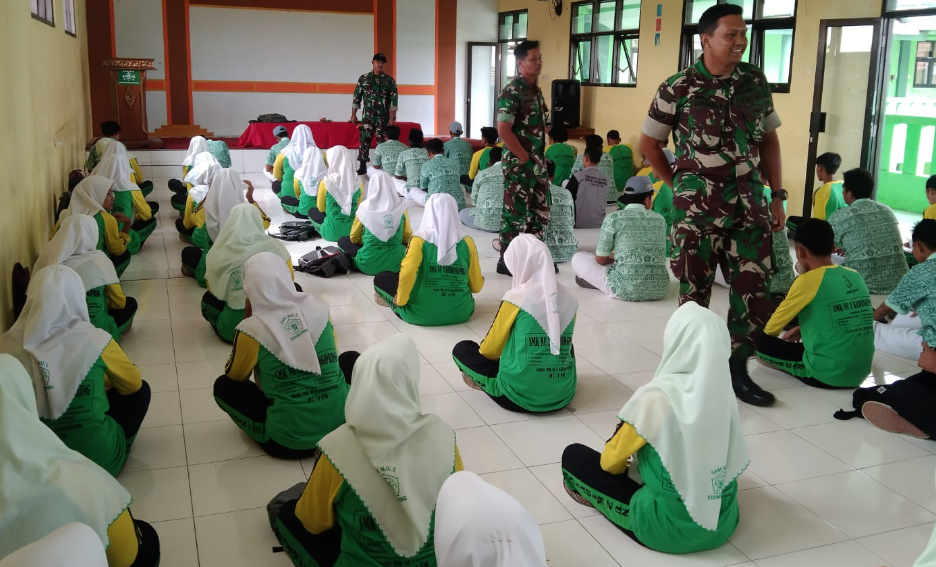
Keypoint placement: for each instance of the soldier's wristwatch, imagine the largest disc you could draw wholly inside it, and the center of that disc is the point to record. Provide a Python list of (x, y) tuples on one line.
[(781, 194)]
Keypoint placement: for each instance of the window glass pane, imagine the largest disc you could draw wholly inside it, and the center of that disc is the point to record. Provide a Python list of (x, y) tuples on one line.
[(506, 26), (776, 8), (747, 5), (910, 4), (627, 74), (925, 49), (520, 27), (605, 55), (582, 60), (582, 18), (694, 9), (778, 49), (606, 16), (630, 15), (510, 62), (921, 77)]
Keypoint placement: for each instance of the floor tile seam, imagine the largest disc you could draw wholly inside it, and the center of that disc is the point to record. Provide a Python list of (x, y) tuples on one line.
[(601, 545), (810, 548)]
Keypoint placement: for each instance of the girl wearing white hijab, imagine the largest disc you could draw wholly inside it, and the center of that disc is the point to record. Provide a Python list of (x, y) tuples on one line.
[(94, 197), (288, 344), (439, 273), (75, 245), (241, 237), (307, 178), (198, 181), (144, 209), (381, 229), (87, 390), (291, 159), (47, 486), (338, 196), (128, 200), (535, 321), (197, 145), (684, 433), (480, 525), (371, 498)]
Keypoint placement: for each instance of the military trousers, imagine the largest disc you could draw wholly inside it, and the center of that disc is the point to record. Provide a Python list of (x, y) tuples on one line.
[(526, 199), (369, 127)]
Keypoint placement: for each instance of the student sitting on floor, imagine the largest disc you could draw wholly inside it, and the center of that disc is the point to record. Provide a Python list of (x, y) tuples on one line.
[(526, 362), (198, 180), (684, 432), (86, 388), (143, 188), (589, 188), (46, 485), (128, 199), (409, 162), (219, 149), (833, 344), (622, 156), (75, 246), (438, 175), (559, 235), (387, 151), (94, 196), (197, 145), (439, 273), (306, 180), (281, 135), (459, 150), (604, 163), (288, 343), (630, 261), (290, 160), (480, 525), (111, 133), (481, 158), (487, 196), (561, 153), (381, 229), (913, 301), (241, 237), (371, 498), (338, 196), (827, 198)]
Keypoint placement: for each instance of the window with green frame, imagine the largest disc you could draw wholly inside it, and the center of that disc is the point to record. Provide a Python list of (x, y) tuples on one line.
[(770, 36), (604, 42), (511, 30)]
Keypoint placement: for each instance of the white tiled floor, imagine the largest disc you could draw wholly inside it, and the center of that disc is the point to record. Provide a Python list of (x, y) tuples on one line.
[(818, 492)]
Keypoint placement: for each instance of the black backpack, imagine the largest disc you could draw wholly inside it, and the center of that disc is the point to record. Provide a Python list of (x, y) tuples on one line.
[(325, 262), (271, 118), (295, 231)]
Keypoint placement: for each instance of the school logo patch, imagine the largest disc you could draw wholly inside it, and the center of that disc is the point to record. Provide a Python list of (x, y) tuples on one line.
[(387, 221), (718, 483), (46, 376), (294, 326), (237, 282), (387, 473)]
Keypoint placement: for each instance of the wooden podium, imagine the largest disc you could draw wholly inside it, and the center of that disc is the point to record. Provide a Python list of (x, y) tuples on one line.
[(128, 97)]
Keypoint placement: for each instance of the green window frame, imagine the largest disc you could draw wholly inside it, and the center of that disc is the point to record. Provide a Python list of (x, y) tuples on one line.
[(604, 42)]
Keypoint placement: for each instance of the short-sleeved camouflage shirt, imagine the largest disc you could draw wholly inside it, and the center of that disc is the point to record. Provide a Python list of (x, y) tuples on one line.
[(522, 105), (378, 94)]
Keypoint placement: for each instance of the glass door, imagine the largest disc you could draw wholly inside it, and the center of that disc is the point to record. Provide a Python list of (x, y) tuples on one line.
[(482, 80)]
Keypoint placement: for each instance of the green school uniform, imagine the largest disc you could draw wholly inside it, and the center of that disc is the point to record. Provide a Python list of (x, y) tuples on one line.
[(560, 234), (623, 157), (563, 156), (287, 187), (377, 256), (201, 239), (336, 223), (663, 205), (119, 268), (100, 317)]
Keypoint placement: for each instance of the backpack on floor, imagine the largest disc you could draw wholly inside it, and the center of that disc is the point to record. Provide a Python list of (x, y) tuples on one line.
[(271, 118), (295, 231), (325, 262)]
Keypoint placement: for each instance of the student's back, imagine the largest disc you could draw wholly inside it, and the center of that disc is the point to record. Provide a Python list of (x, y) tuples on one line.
[(606, 166), (386, 154), (869, 234), (637, 238), (409, 164), (563, 155), (827, 199), (461, 151), (589, 188), (559, 235), (442, 175), (623, 158), (663, 205), (487, 194)]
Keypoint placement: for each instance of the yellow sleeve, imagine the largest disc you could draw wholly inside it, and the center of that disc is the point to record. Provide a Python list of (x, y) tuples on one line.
[(243, 357), (123, 547), (930, 212), (121, 374), (475, 164), (357, 231), (266, 219), (801, 293), (114, 241), (278, 167), (475, 279), (408, 270), (496, 339), (820, 201), (320, 197), (137, 172), (115, 296), (141, 208), (459, 465), (625, 443), (407, 228), (315, 508), (292, 271)]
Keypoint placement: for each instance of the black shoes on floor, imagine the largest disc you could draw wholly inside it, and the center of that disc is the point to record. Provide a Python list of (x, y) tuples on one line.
[(744, 387)]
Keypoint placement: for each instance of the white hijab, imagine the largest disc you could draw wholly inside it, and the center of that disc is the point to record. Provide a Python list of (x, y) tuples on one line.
[(72, 545), (928, 557), (535, 289), (45, 484), (286, 322), (342, 181), (441, 226), (382, 211), (394, 456), (241, 237), (88, 197), (197, 145), (203, 172), (480, 525), (299, 142), (54, 339), (688, 412), (115, 165), (312, 170), (227, 191), (75, 246)]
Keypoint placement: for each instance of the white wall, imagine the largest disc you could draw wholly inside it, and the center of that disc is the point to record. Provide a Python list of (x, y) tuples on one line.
[(477, 21), (419, 109), (226, 114), (155, 110), (139, 33), (415, 42)]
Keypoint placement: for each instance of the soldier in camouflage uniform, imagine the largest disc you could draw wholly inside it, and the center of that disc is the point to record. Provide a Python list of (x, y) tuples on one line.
[(378, 92), (721, 115), (521, 123)]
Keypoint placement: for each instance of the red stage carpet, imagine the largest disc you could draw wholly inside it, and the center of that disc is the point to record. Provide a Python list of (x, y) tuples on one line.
[(327, 134)]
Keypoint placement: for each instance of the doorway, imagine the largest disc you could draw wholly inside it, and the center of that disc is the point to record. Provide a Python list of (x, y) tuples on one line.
[(482, 81)]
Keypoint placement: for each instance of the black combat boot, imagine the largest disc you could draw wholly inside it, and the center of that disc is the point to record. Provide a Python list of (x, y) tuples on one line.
[(744, 388)]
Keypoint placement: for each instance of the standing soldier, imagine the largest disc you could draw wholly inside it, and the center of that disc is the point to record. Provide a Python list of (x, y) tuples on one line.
[(721, 115), (521, 123), (378, 92)]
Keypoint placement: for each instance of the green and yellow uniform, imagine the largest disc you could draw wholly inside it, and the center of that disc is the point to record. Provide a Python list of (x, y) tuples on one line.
[(375, 255), (480, 161), (563, 156), (336, 223)]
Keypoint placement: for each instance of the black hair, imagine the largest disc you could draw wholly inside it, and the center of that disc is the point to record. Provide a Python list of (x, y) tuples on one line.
[(634, 198), (708, 23), (415, 138), (593, 140), (614, 135), (559, 134), (435, 146), (550, 168), (524, 47), (392, 132), (859, 183), (380, 57), (931, 182), (489, 133), (593, 153), (109, 128), (495, 154), (74, 178), (816, 236), (830, 162), (925, 232)]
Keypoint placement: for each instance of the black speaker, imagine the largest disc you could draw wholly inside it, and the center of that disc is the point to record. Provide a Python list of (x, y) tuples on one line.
[(566, 103)]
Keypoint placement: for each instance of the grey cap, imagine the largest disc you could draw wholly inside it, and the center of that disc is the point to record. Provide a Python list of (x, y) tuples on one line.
[(638, 185), (670, 158), (456, 128), (279, 131)]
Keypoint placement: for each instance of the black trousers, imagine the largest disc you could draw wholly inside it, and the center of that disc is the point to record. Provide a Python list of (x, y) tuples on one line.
[(468, 354), (191, 256), (128, 411), (121, 316), (148, 553), (387, 282), (466, 181), (176, 186), (324, 548), (179, 200), (776, 347), (142, 225), (154, 206), (180, 226), (277, 185), (316, 216), (349, 248), (913, 398), (120, 260)]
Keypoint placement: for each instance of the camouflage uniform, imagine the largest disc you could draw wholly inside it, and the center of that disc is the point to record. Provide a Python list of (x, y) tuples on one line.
[(526, 186), (379, 95), (720, 214)]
